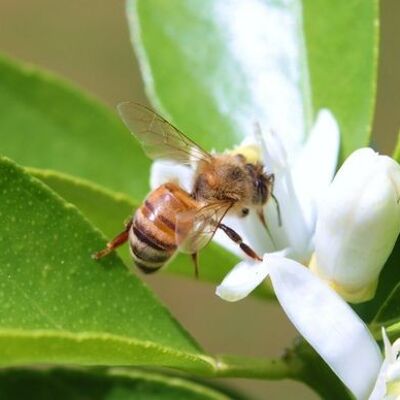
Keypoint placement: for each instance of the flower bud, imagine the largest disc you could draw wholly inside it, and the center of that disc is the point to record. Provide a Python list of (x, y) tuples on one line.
[(358, 224)]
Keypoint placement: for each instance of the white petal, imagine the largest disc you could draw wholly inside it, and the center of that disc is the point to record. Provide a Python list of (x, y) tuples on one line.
[(390, 354), (315, 165), (379, 390), (245, 277), (294, 231), (168, 171), (358, 222), (274, 152), (387, 382), (242, 280), (328, 324)]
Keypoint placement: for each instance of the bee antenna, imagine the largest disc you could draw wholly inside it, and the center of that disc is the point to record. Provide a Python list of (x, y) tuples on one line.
[(278, 209)]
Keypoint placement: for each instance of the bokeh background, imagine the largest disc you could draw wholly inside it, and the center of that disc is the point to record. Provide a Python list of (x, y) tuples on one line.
[(87, 42)]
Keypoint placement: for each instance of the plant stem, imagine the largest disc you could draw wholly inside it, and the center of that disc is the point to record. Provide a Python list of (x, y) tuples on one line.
[(300, 363)]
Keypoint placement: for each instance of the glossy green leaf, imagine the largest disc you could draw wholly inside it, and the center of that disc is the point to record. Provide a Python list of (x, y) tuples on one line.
[(113, 384), (342, 44), (108, 210), (216, 67), (83, 139), (46, 123), (57, 305)]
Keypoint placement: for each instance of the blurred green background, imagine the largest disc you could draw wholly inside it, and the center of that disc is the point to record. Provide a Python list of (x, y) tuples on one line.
[(87, 42)]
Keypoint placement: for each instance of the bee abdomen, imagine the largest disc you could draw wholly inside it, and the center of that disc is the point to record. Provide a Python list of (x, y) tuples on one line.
[(149, 249)]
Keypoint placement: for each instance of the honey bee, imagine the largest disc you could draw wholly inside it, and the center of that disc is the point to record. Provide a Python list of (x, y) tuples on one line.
[(172, 219)]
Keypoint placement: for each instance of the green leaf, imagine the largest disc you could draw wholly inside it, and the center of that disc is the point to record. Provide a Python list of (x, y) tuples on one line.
[(342, 43), (108, 210), (57, 305), (114, 384), (215, 68), (82, 138), (46, 123)]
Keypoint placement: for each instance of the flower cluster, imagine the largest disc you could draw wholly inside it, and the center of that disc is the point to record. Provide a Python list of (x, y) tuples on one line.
[(343, 227)]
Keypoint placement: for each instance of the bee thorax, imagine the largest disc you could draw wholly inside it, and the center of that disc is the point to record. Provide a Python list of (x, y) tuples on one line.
[(226, 179)]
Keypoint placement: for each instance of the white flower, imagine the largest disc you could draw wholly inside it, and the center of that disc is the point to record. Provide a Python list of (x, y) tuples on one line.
[(298, 184), (358, 224), (356, 228), (353, 228)]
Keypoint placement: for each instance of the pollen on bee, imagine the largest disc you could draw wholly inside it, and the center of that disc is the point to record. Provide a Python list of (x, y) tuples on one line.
[(251, 152)]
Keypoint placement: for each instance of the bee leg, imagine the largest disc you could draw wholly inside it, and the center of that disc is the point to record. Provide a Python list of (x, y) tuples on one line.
[(195, 259), (238, 239), (119, 240)]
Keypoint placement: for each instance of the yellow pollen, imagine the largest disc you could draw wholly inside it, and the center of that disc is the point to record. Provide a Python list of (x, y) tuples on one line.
[(250, 152)]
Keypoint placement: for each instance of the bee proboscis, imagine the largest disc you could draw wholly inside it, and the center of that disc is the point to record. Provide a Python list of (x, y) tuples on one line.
[(171, 219)]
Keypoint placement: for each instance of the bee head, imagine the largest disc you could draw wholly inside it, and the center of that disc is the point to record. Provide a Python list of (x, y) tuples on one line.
[(263, 183)]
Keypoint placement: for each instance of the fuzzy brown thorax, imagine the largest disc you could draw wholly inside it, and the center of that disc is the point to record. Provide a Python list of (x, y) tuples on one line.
[(231, 178)]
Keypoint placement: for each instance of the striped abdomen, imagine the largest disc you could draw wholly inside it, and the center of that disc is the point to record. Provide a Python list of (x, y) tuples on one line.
[(152, 236)]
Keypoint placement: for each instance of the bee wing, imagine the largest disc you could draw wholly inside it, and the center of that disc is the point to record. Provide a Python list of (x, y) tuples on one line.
[(195, 228), (158, 137)]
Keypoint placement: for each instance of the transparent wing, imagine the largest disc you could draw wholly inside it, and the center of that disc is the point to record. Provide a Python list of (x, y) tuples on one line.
[(158, 137), (195, 228)]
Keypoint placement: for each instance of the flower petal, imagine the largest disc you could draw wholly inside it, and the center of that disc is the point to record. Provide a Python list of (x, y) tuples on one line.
[(168, 171), (358, 222), (379, 390), (328, 324), (294, 231), (316, 163), (242, 280), (245, 277)]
